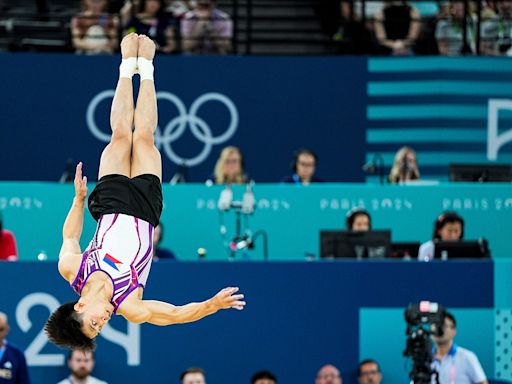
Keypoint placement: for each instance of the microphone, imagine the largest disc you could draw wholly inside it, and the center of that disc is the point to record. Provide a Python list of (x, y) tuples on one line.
[(375, 165), (369, 167), (181, 175), (67, 175), (248, 201), (406, 166), (201, 253), (225, 199), (178, 178)]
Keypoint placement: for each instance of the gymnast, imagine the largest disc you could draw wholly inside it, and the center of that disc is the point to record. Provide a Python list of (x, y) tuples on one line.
[(127, 204)]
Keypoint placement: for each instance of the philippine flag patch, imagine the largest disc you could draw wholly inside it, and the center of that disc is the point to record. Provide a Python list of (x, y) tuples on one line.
[(112, 261)]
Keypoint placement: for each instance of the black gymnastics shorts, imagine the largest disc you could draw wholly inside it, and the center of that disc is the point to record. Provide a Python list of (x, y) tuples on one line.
[(139, 197)]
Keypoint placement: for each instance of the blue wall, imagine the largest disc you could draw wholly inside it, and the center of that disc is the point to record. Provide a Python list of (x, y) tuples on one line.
[(281, 104), (345, 108), (298, 316)]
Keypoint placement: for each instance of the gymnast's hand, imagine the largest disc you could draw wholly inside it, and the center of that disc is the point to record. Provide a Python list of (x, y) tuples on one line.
[(226, 298), (80, 183)]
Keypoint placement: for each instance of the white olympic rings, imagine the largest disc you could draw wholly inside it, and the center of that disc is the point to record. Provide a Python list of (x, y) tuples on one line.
[(177, 126)]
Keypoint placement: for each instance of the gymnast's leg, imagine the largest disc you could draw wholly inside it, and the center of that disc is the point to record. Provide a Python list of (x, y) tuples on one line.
[(116, 157), (146, 158)]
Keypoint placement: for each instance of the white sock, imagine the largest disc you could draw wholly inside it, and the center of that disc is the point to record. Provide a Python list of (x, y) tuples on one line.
[(145, 68), (128, 67)]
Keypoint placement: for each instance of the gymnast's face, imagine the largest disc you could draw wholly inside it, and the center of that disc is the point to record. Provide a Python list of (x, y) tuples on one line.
[(94, 317)]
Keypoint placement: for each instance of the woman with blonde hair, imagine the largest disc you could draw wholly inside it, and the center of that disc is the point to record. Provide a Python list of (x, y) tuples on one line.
[(229, 168), (405, 166)]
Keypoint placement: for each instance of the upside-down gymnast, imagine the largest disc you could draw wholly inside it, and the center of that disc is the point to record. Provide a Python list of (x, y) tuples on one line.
[(126, 203)]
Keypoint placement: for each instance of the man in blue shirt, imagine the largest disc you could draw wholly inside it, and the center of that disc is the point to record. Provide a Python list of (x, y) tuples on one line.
[(13, 366), (456, 365)]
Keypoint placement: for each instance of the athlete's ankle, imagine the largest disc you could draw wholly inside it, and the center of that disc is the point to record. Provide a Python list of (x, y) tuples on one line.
[(145, 68), (128, 67)]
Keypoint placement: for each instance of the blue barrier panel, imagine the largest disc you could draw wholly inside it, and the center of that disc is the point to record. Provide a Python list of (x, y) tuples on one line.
[(292, 216), (298, 317)]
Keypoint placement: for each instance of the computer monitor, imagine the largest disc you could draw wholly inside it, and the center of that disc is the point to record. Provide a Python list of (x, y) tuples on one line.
[(405, 250), (481, 172), (355, 244), (463, 249)]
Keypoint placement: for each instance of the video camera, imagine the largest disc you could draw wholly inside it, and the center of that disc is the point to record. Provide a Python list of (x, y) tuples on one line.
[(423, 320)]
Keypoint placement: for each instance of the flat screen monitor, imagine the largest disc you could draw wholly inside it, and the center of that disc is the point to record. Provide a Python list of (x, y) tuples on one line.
[(464, 249), (355, 244), (405, 250), (481, 172)]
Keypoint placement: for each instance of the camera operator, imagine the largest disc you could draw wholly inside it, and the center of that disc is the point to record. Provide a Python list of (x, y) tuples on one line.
[(405, 166), (456, 365)]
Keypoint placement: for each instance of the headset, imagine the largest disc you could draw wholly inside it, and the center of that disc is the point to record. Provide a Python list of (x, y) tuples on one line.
[(351, 216)]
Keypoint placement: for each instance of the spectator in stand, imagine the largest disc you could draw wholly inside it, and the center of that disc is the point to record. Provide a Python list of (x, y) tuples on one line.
[(94, 31), (206, 29), (178, 8), (369, 372), (397, 27), (229, 168), (81, 364), (449, 30), (160, 253), (328, 374), (449, 226), (303, 167), (152, 21), (264, 377), (8, 249), (13, 365), (496, 32), (405, 166), (193, 375)]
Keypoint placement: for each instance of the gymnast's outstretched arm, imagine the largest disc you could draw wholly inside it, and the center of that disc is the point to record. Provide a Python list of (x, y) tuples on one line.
[(70, 252), (162, 313)]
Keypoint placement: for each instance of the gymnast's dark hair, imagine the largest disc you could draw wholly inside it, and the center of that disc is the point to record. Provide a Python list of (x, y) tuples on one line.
[(63, 328)]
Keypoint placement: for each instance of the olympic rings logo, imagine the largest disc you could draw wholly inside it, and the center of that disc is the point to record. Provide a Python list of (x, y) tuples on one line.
[(177, 126)]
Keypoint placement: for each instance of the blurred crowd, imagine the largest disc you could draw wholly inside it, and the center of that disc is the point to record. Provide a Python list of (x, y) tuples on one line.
[(400, 28), (404, 28), (188, 26)]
